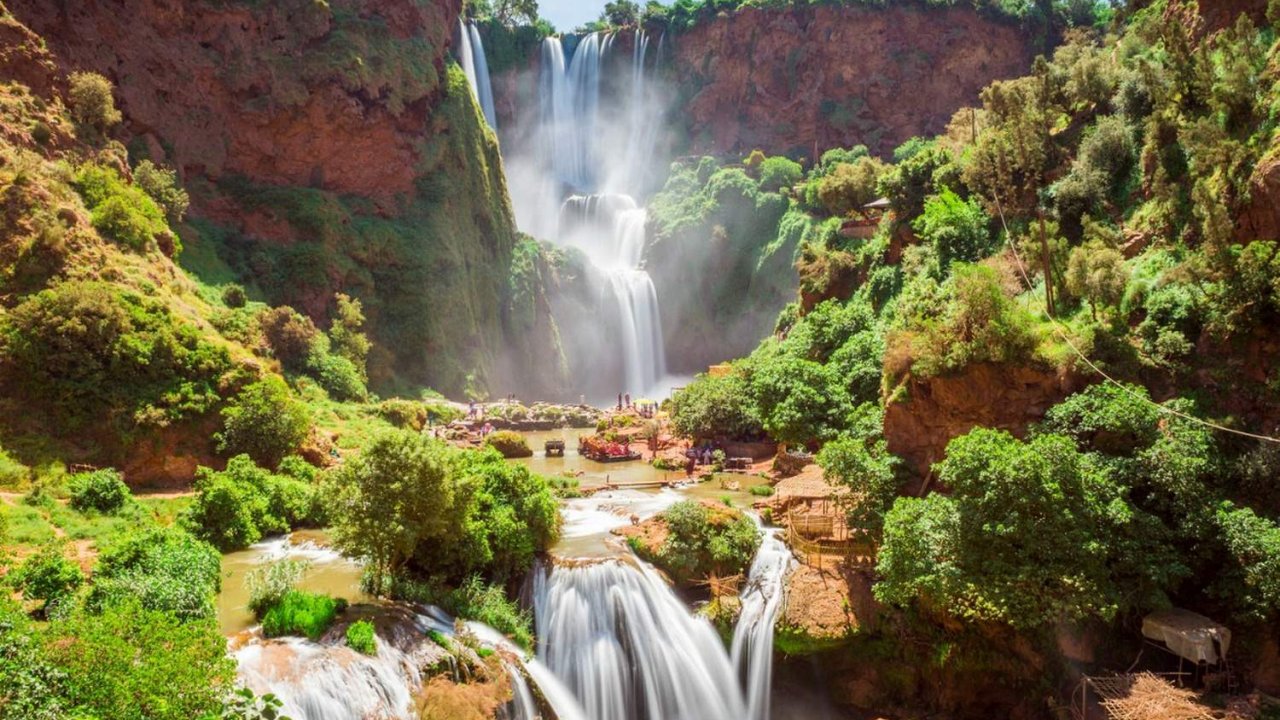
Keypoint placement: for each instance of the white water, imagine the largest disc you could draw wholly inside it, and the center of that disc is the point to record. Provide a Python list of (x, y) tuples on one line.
[(594, 142), (628, 649), (476, 67), (752, 650)]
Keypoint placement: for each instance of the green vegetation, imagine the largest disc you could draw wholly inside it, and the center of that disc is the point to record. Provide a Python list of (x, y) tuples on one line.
[(509, 444), (265, 422), (239, 506), (269, 583), (705, 540), (165, 570), (361, 637), (301, 613), (101, 490), (49, 577), (92, 106), (413, 505)]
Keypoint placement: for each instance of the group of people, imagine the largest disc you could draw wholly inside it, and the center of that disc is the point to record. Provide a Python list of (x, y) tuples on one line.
[(695, 456), (645, 409)]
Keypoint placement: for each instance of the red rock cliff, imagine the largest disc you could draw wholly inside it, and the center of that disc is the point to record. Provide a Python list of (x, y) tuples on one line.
[(276, 92), (823, 77)]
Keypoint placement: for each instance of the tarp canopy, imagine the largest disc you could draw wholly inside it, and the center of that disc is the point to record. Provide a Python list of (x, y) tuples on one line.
[(1189, 635)]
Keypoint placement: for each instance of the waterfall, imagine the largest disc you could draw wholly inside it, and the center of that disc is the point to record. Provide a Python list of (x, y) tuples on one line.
[(761, 599), (628, 649), (596, 130), (476, 67)]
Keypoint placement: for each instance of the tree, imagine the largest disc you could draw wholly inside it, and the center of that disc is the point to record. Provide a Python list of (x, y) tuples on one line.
[(1098, 274), (346, 334), (289, 334), (1033, 533), (715, 407), (393, 496), (513, 12), (867, 469), (798, 401), (956, 228), (850, 185), (91, 103), (101, 490), (265, 422), (779, 172), (163, 187), (621, 13), (1252, 580)]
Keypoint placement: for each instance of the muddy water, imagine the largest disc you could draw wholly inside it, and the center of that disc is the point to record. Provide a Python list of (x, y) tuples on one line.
[(589, 522), (327, 572)]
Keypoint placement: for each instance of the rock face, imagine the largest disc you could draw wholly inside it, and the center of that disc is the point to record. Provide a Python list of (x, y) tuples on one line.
[(328, 148), (934, 410), (1260, 219), (808, 79)]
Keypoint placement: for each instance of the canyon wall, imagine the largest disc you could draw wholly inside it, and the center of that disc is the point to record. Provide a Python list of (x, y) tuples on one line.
[(328, 147), (801, 81)]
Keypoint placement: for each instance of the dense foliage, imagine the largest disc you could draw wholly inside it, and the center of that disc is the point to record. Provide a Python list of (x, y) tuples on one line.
[(706, 541), (410, 503), (236, 507)]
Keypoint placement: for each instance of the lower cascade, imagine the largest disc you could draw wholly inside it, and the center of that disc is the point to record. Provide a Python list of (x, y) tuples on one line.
[(629, 649)]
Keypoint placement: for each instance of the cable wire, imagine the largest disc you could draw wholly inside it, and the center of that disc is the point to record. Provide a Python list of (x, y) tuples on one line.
[(1066, 337)]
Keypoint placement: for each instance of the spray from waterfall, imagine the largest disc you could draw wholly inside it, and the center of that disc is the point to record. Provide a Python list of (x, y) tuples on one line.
[(761, 601)]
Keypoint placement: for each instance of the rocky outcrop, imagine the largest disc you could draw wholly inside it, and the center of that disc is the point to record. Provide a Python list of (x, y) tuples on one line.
[(928, 412), (328, 147), (812, 78), (1260, 218)]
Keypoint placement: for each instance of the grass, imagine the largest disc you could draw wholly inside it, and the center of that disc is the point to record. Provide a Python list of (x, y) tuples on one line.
[(31, 525), (302, 613), (360, 637)]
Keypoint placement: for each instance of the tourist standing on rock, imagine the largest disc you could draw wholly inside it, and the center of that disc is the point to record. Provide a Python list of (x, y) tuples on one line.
[(619, 401)]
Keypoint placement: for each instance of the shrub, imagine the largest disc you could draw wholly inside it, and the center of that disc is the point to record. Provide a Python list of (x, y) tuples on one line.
[(510, 444), (101, 490), (703, 541), (762, 490), (233, 296), (290, 336), (48, 576), (715, 407), (779, 172), (957, 229), (225, 513), (119, 210), (129, 662), (165, 569), (360, 637), (92, 105), (345, 335), (162, 185), (473, 599), (850, 185), (268, 584), (301, 613), (265, 422)]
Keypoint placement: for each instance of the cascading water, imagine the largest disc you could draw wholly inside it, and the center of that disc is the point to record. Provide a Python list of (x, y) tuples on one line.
[(476, 67), (752, 649), (628, 649), (592, 147)]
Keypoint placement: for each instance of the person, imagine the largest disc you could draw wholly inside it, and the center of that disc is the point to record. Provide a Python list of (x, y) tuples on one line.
[(628, 396), (471, 410), (619, 401), (689, 467)]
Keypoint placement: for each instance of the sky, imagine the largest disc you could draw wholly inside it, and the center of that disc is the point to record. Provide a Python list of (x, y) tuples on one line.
[(566, 15)]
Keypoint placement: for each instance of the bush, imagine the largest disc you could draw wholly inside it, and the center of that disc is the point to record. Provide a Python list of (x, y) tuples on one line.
[(360, 637), (346, 336), (268, 584), (48, 576), (119, 210), (850, 186), (165, 569), (302, 613), (762, 490), (92, 105), (957, 229), (265, 422), (290, 336), (162, 185), (779, 172), (336, 374), (236, 507), (101, 490), (130, 662), (510, 444), (473, 599), (715, 407), (234, 297), (704, 541)]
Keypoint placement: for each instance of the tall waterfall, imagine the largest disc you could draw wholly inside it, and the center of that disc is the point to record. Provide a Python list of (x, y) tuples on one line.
[(476, 67), (582, 161)]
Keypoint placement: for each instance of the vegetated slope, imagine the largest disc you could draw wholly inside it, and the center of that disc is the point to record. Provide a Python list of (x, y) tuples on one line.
[(802, 80), (1014, 495), (328, 148)]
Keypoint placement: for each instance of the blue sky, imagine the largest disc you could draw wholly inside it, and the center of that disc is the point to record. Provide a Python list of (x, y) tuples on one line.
[(569, 14)]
